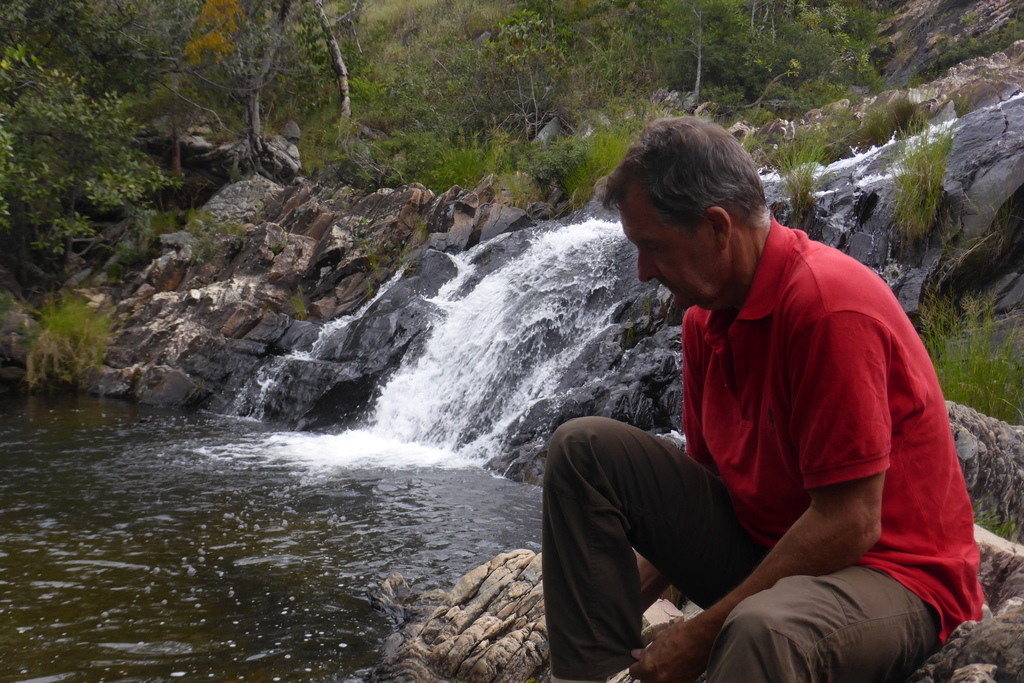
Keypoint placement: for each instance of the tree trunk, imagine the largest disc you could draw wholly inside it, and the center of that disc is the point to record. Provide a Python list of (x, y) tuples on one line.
[(337, 62)]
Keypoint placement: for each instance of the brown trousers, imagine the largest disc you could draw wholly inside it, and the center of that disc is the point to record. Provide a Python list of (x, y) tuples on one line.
[(610, 488)]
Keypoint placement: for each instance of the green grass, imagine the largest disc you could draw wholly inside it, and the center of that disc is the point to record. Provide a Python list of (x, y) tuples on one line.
[(298, 305), (991, 520), (465, 163), (977, 365), (917, 177), (899, 118), (602, 151), (69, 345), (799, 162)]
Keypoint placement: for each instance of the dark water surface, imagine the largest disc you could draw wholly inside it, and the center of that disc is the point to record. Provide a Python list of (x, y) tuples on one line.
[(142, 545)]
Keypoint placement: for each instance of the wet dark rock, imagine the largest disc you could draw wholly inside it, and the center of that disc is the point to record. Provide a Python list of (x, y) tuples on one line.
[(299, 337), (497, 219), (109, 382), (166, 387)]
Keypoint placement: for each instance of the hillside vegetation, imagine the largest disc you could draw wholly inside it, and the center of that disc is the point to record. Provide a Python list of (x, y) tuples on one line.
[(542, 93)]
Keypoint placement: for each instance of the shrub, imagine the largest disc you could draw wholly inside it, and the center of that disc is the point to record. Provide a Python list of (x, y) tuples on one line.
[(917, 177), (69, 345), (977, 363)]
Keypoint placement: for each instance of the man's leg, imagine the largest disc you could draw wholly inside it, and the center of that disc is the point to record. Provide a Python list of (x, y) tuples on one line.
[(610, 488), (853, 626)]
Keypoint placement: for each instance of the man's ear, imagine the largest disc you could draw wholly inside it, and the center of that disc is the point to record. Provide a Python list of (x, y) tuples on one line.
[(722, 224)]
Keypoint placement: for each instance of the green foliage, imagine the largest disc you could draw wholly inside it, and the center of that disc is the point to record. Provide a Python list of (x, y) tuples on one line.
[(977, 363), (800, 163), (991, 520), (794, 53), (465, 163), (899, 118), (602, 151), (68, 154), (69, 345), (917, 179), (298, 305)]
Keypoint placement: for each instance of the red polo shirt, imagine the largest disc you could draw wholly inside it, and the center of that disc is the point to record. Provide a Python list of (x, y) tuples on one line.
[(820, 378)]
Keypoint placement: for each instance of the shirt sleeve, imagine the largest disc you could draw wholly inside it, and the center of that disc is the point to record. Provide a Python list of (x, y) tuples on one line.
[(839, 367)]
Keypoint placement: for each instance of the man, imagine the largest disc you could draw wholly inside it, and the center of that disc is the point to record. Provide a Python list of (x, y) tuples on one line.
[(821, 518)]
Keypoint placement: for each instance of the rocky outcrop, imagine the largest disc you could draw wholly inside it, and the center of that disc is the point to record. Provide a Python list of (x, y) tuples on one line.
[(490, 627), (987, 650), (854, 208), (470, 633), (206, 313), (991, 456), (922, 33)]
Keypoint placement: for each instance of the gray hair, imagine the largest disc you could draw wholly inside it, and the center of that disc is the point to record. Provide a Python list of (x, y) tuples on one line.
[(685, 166)]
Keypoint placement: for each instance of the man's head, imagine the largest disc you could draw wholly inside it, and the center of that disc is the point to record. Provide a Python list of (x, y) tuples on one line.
[(685, 166), (692, 203)]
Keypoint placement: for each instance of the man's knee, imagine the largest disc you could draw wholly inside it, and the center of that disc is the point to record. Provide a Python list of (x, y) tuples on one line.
[(760, 641), (572, 441)]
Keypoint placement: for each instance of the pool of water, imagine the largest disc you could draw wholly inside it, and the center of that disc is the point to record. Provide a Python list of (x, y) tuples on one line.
[(145, 545)]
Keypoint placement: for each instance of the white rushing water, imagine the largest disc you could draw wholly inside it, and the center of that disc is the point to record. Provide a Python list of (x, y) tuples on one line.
[(504, 345), (501, 344)]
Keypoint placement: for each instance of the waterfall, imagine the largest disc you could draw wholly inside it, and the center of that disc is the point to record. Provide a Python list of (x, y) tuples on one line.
[(504, 344), (500, 335)]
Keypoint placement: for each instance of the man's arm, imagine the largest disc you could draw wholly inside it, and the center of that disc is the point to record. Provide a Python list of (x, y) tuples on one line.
[(841, 524)]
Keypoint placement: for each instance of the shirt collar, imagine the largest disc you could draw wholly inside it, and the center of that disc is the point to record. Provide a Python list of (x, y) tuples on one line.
[(768, 276)]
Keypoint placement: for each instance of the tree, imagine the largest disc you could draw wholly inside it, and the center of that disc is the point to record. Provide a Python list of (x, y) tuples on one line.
[(67, 154), (244, 39), (337, 62)]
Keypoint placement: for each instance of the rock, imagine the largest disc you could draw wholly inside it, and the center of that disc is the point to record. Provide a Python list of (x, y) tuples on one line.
[(777, 130), (495, 219), (242, 201), (292, 133), (108, 382), (166, 387), (991, 456), (178, 240), (490, 626), (549, 132), (741, 130)]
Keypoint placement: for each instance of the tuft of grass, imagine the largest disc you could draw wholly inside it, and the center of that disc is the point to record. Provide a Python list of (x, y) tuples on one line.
[(900, 118), (800, 164), (465, 164), (69, 345), (602, 151), (917, 177), (298, 305), (977, 363), (991, 520)]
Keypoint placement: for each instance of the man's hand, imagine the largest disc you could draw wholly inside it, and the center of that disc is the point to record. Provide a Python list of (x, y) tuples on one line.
[(841, 524), (679, 654)]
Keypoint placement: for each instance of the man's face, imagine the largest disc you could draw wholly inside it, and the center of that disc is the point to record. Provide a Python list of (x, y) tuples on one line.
[(688, 261)]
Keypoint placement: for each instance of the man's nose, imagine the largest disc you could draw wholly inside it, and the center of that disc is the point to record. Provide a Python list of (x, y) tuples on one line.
[(645, 268)]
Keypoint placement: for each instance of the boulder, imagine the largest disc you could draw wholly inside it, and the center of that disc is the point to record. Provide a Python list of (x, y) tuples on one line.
[(242, 201)]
